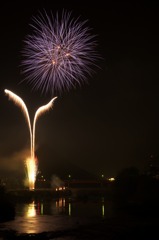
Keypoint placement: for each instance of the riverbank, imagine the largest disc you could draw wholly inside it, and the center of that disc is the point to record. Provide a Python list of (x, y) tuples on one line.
[(123, 227)]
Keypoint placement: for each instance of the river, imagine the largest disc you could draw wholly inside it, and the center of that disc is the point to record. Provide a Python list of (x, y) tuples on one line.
[(56, 214)]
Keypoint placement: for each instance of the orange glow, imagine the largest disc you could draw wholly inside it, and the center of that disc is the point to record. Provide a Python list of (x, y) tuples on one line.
[(32, 167)]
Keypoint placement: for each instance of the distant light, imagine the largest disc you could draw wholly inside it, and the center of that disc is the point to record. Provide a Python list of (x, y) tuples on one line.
[(102, 175), (111, 179), (60, 188)]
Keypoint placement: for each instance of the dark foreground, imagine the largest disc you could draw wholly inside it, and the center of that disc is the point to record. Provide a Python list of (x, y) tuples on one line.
[(124, 228), (136, 205)]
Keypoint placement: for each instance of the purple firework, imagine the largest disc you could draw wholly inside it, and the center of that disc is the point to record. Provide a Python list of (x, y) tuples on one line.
[(59, 54)]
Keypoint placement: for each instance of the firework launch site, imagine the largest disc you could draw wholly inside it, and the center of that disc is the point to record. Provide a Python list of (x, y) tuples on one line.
[(64, 188)]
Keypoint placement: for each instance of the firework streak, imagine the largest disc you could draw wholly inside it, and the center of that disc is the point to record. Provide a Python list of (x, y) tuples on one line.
[(31, 162)]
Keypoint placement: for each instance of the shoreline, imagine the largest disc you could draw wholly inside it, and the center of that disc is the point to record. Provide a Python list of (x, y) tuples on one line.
[(122, 227)]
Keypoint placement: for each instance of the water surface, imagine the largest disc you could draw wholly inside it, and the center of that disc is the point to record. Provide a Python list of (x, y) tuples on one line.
[(56, 214)]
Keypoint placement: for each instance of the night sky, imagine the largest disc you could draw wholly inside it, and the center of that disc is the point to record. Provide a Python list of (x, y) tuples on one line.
[(101, 127)]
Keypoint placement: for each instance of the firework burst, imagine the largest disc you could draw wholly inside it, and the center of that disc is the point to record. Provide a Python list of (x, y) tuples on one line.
[(59, 54)]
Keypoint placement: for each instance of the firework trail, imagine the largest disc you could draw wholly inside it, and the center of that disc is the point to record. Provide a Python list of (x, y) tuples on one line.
[(41, 110), (59, 54), (31, 162), (18, 101)]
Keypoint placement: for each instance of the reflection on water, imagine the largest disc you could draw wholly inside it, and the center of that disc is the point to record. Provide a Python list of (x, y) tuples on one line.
[(69, 209), (59, 214), (60, 205), (30, 210), (103, 207)]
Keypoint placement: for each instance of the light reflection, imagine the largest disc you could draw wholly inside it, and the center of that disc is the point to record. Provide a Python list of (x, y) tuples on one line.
[(60, 204), (69, 209), (31, 211), (38, 216), (103, 207), (42, 209), (103, 210)]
